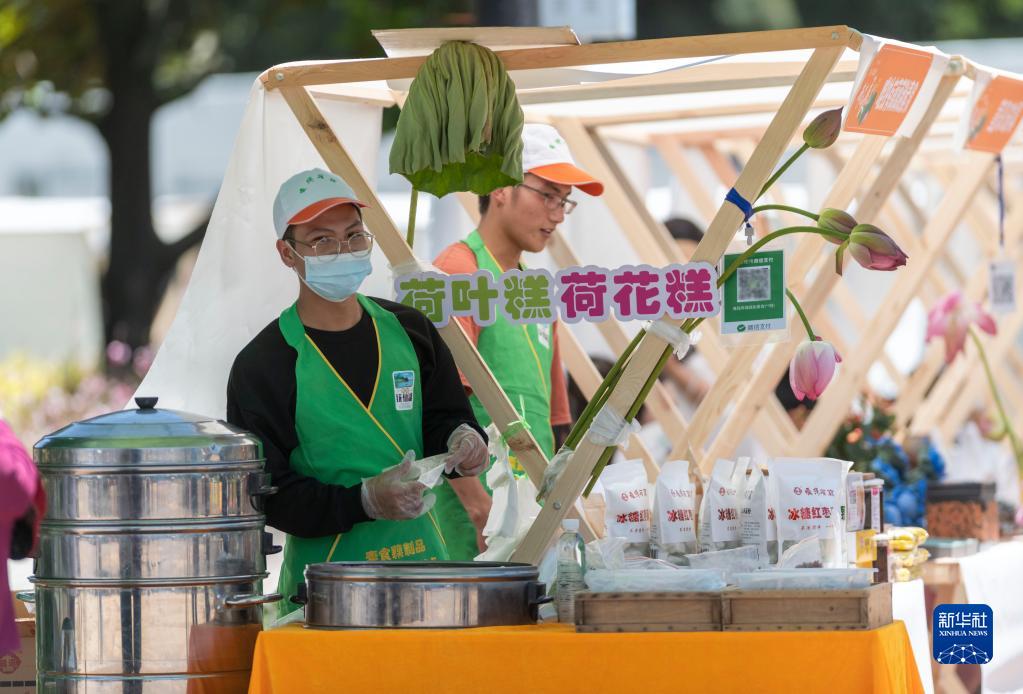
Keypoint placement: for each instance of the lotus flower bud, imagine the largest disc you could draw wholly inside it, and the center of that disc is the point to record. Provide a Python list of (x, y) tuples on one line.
[(874, 249), (832, 219), (812, 368), (824, 129)]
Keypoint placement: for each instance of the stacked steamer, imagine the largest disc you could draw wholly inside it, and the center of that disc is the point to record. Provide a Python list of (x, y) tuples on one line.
[(152, 554)]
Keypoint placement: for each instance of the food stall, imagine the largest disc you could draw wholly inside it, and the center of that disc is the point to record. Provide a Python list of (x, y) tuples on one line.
[(738, 104)]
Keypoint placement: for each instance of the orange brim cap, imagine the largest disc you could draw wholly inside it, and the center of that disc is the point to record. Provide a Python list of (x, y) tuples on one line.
[(569, 175), (308, 214)]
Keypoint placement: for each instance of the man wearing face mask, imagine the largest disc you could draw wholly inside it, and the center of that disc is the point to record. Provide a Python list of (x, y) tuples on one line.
[(345, 391), (525, 359)]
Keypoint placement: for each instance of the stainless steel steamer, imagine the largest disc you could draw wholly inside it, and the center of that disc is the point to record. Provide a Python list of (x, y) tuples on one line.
[(414, 595), (152, 554)]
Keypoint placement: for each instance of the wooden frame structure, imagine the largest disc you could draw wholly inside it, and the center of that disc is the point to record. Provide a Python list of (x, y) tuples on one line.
[(955, 391), (748, 389)]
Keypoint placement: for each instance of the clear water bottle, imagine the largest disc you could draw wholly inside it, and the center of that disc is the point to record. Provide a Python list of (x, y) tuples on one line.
[(571, 568)]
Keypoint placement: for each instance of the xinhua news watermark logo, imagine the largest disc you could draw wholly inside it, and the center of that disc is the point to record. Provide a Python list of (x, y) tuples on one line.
[(963, 634)]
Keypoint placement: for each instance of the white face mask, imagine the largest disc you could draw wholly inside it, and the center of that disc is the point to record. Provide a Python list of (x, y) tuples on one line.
[(335, 277)]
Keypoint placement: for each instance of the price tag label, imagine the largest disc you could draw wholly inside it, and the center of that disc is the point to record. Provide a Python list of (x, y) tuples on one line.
[(1002, 286)]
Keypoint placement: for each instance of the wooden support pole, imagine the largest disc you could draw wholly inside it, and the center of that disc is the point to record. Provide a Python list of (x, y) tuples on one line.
[(674, 157), (343, 71), (756, 390), (834, 404), (654, 245), (581, 368), (398, 252), (974, 385), (648, 353), (929, 391), (932, 393), (589, 379)]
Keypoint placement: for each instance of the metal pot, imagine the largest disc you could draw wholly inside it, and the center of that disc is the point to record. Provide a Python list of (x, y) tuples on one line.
[(151, 554), (416, 595)]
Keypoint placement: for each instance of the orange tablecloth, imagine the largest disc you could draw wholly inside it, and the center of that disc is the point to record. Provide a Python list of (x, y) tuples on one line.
[(553, 658)]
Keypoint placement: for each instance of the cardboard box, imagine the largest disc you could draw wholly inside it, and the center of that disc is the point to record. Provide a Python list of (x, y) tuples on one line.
[(18, 669)]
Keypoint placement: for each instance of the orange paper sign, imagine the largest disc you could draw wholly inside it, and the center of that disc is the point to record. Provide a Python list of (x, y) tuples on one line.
[(995, 116), (888, 90)]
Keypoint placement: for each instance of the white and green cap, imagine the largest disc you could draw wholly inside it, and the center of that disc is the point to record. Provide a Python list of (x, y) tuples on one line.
[(307, 195), (545, 154)]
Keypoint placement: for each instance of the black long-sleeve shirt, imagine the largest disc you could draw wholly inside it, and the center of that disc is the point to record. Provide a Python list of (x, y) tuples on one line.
[(261, 399)]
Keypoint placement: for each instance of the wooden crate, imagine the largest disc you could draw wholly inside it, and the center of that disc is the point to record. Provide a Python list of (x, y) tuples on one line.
[(806, 610), (618, 612)]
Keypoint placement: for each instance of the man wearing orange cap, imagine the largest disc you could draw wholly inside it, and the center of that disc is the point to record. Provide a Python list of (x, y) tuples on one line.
[(525, 359), (346, 391)]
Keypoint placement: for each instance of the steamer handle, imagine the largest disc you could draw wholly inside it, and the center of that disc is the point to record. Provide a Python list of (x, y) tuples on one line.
[(301, 596), (239, 601), (26, 596), (268, 544), (537, 597)]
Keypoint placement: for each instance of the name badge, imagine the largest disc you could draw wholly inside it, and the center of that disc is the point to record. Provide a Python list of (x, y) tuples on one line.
[(404, 389)]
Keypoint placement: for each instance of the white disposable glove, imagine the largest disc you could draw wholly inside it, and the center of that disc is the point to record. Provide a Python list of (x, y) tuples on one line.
[(396, 493), (467, 452)]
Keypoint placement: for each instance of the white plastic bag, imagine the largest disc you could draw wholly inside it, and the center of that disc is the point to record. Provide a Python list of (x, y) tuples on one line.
[(719, 512), (430, 470), (729, 561), (854, 502), (753, 514), (660, 581), (673, 524), (811, 499), (514, 505), (805, 554), (606, 553), (627, 499), (805, 579)]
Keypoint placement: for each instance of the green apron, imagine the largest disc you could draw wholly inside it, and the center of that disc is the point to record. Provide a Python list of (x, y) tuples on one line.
[(341, 441), (520, 357)]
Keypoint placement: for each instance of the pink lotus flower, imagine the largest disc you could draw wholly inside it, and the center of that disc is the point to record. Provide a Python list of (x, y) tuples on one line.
[(812, 368), (951, 318), (874, 249)]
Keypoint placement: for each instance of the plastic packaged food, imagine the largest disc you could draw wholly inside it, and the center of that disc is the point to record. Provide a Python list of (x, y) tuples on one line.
[(673, 525), (811, 498), (657, 580), (753, 513), (719, 510), (627, 514), (907, 538), (731, 561), (804, 579)]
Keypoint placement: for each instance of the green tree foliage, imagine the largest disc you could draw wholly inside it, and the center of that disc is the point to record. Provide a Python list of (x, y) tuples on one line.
[(114, 62), (909, 20)]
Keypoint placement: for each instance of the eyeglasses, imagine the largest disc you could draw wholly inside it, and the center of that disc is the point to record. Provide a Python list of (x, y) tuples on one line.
[(552, 201), (359, 244)]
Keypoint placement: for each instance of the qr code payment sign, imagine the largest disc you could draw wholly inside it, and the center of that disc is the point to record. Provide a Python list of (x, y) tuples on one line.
[(753, 284)]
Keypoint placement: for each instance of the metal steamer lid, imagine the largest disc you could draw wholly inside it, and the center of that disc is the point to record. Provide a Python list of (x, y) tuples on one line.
[(147, 436), (422, 571)]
